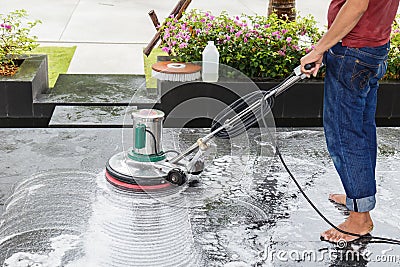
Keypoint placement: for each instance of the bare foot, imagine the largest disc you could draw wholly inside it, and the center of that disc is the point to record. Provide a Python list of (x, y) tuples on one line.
[(338, 198), (358, 223)]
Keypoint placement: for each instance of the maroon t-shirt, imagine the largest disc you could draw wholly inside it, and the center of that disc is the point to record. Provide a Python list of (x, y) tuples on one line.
[(374, 27)]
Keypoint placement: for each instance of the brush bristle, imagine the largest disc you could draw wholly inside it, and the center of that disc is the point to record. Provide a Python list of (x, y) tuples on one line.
[(174, 77)]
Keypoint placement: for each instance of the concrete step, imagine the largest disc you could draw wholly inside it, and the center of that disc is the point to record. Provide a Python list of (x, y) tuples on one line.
[(91, 116), (99, 90), (95, 100)]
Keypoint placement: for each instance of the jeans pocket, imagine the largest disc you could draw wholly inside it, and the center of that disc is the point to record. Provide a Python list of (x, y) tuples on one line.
[(333, 62), (335, 52), (356, 74)]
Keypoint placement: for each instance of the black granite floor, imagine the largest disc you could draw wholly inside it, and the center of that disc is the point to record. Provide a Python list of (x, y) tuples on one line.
[(244, 210)]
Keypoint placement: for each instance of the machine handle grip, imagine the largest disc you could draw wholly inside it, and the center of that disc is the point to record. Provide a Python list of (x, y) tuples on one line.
[(309, 66)]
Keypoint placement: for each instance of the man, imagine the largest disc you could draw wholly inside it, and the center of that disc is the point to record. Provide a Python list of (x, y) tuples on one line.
[(354, 50)]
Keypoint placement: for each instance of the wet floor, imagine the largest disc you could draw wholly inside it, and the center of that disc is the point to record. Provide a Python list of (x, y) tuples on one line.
[(243, 210)]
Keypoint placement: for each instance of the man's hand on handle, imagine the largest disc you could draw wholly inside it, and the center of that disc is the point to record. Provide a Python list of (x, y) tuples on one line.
[(313, 56)]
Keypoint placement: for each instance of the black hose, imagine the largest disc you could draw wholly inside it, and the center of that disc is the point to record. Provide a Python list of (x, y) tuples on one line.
[(154, 140)]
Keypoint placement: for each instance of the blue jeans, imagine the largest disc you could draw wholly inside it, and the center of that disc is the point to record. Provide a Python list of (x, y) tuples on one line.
[(350, 97)]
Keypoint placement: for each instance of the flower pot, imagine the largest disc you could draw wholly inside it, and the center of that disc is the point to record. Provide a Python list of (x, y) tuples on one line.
[(17, 92), (299, 106)]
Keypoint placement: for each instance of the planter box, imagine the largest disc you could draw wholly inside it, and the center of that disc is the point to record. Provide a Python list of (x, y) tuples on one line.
[(300, 106), (388, 108), (18, 92)]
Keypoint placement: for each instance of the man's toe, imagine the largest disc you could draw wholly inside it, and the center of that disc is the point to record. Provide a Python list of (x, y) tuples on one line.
[(327, 235)]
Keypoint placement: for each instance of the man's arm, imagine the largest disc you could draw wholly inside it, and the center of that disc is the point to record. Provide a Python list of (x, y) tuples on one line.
[(347, 18)]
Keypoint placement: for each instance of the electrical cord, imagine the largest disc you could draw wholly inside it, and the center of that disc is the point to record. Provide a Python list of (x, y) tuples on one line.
[(155, 145), (251, 120), (154, 140), (171, 151), (388, 240)]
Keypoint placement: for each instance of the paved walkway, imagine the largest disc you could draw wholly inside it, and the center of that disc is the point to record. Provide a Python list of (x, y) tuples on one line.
[(117, 30)]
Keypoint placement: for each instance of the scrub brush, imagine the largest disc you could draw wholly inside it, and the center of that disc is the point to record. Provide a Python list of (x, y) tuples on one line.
[(176, 71)]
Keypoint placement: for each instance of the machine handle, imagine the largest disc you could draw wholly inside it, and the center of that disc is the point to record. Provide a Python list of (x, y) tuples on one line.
[(309, 66)]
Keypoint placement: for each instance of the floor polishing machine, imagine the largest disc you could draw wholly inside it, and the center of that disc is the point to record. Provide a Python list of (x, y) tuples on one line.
[(145, 166)]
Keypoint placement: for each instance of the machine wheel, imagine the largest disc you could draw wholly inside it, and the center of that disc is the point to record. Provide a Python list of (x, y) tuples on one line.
[(176, 176)]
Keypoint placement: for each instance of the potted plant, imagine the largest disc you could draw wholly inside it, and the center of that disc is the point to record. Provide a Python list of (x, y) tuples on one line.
[(22, 77), (271, 47), (266, 49)]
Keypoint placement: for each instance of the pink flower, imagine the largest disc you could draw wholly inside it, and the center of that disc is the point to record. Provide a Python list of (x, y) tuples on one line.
[(166, 36), (173, 43), (276, 34), (256, 26), (212, 17), (289, 39), (238, 34), (203, 20), (198, 31), (282, 53), (245, 40), (284, 31), (6, 26), (267, 26), (183, 45), (166, 49), (228, 37)]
